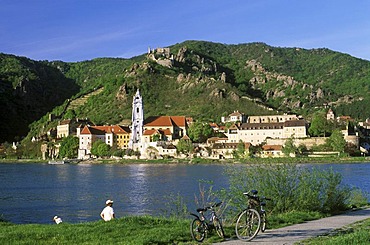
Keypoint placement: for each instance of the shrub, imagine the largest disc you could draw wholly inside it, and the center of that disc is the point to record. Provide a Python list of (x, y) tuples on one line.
[(293, 188)]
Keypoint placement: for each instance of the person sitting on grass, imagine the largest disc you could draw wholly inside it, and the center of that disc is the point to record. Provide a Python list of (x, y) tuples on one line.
[(57, 219), (108, 212)]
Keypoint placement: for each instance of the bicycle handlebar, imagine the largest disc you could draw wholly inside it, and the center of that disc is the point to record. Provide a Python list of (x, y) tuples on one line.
[(213, 206), (255, 196), (209, 207)]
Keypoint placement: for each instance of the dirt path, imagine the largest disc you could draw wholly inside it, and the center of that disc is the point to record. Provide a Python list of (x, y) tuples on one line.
[(296, 233)]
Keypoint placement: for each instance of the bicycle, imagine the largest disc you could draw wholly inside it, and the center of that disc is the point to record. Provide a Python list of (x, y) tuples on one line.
[(249, 220), (200, 226)]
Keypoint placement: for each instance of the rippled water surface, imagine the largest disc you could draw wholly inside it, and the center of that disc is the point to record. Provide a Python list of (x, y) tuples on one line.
[(34, 193)]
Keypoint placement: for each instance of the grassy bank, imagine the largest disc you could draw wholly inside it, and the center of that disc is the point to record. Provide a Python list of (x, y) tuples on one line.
[(299, 160), (126, 230), (302, 160), (357, 233)]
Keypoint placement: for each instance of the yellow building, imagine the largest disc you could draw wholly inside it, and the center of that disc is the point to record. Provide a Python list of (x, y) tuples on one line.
[(122, 137)]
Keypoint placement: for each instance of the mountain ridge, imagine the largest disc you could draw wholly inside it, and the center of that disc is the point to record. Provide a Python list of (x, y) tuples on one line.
[(204, 80)]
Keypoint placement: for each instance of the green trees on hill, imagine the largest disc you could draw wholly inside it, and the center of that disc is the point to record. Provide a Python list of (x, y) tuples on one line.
[(200, 132), (211, 80), (336, 141), (185, 146), (100, 149), (320, 126), (69, 147)]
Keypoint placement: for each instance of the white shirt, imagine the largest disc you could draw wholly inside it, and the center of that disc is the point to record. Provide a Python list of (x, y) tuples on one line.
[(58, 220), (107, 213)]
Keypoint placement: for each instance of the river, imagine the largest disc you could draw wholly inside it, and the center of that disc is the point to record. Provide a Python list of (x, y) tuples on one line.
[(35, 193)]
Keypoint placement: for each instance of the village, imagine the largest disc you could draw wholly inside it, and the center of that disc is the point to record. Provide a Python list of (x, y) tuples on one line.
[(158, 137)]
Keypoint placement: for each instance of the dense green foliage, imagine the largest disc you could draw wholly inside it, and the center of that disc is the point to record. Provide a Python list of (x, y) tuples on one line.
[(200, 132), (289, 147), (336, 141), (184, 146), (69, 147), (100, 149), (28, 89), (319, 125), (291, 187), (209, 81)]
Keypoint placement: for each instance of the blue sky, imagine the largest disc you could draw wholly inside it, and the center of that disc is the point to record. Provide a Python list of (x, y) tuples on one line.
[(77, 30)]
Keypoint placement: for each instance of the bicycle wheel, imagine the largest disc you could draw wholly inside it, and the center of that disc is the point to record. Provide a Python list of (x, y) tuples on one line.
[(218, 226), (247, 225), (198, 230), (263, 221)]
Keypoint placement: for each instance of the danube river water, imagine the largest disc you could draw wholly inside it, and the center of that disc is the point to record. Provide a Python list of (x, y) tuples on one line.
[(35, 193)]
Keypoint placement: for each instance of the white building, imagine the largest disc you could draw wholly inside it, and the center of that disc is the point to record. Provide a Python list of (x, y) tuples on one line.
[(295, 128), (272, 118), (236, 116), (137, 120), (330, 115), (256, 133)]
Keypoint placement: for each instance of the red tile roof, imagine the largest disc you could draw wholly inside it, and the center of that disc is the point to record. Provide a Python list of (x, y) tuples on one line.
[(180, 121), (235, 113), (295, 123), (166, 132), (155, 131), (150, 132), (189, 120), (165, 121), (64, 122), (272, 147), (185, 137), (100, 130)]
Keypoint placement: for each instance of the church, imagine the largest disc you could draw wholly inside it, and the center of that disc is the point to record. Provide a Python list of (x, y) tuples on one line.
[(153, 137), (155, 132)]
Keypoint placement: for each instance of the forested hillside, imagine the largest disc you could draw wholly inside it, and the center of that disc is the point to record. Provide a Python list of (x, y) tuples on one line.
[(29, 89), (203, 80)]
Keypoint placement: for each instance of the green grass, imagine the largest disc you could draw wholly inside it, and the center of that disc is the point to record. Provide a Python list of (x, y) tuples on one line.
[(357, 233), (127, 230), (291, 218), (155, 230)]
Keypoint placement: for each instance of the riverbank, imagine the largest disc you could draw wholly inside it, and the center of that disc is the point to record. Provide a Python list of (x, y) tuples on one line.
[(298, 160), (159, 230), (127, 230)]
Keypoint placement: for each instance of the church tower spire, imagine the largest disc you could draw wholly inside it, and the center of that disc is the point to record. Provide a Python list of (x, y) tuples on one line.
[(137, 119)]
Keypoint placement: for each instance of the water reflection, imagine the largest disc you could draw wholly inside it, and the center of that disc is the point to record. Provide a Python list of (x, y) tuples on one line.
[(138, 189)]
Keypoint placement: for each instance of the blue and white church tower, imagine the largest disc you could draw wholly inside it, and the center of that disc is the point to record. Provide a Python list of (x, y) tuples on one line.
[(137, 120)]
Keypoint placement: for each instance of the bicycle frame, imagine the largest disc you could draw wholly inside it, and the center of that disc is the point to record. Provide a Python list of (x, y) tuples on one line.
[(201, 212), (199, 230), (252, 219)]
